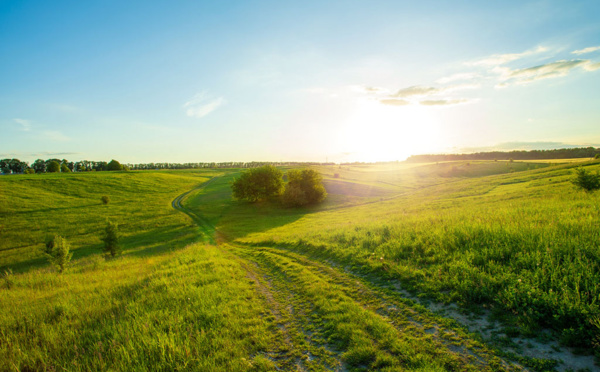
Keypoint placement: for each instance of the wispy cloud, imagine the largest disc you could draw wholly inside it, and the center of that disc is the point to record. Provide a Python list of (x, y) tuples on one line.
[(202, 104), (443, 102), (458, 77), (56, 136), (394, 102), (500, 59), (586, 50), (415, 90), (25, 124), (592, 66), (44, 155), (545, 71)]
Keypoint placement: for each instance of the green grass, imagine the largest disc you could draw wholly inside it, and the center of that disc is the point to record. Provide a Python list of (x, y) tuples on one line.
[(34, 206), (526, 244), (298, 289), (193, 309)]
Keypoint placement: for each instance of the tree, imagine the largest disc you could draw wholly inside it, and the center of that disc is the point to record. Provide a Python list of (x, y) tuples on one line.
[(258, 183), (114, 165), (53, 167), (304, 187), (57, 251), (64, 168), (586, 181), (105, 199), (111, 239), (39, 166)]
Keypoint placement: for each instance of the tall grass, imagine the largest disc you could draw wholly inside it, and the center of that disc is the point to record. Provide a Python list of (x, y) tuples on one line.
[(526, 244), (38, 205), (193, 309)]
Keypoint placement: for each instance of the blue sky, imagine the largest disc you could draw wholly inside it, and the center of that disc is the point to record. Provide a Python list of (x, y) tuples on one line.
[(149, 81)]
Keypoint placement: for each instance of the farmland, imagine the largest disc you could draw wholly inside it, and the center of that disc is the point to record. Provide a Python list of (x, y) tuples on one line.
[(439, 266)]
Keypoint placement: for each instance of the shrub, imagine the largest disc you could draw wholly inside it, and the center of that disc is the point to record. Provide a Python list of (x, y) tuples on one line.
[(29, 171), (258, 183), (105, 199), (114, 165), (53, 167), (57, 251), (64, 168), (304, 187), (586, 181), (111, 239), (293, 196), (597, 156), (336, 175)]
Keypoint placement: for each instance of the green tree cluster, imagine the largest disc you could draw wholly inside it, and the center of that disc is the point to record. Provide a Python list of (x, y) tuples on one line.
[(258, 184), (304, 187)]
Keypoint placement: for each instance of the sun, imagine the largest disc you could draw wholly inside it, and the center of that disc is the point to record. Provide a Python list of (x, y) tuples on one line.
[(378, 132)]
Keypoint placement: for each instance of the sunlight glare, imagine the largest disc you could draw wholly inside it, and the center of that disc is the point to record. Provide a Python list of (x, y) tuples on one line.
[(378, 132)]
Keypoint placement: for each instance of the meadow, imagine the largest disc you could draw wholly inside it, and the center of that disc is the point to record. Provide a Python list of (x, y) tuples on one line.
[(362, 281)]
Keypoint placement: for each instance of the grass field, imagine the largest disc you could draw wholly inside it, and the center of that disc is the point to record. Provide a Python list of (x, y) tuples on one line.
[(378, 277)]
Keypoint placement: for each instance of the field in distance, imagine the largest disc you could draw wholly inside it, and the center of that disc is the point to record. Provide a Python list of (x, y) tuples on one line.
[(440, 266)]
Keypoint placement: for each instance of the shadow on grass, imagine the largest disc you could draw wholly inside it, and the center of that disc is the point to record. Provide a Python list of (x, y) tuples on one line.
[(156, 241), (46, 210)]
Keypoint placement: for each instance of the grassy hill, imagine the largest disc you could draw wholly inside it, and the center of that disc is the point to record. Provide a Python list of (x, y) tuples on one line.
[(378, 277)]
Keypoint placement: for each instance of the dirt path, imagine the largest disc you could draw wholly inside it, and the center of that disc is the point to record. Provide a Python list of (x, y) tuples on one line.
[(325, 318)]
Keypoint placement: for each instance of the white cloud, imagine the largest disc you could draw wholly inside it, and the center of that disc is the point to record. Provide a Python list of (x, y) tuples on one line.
[(202, 104), (500, 59), (55, 135), (415, 90), (458, 77), (443, 102), (25, 124), (395, 102), (592, 66), (545, 71), (586, 50)]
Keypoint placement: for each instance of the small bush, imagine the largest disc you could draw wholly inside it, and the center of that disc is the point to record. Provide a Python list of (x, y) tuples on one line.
[(105, 199), (8, 278), (29, 171), (111, 239), (304, 187), (57, 250), (336, 175), (293, 196), (586, 181), (597, 156)]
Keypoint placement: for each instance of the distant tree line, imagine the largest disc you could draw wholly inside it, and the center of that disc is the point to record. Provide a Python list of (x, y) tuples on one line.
[(16, 166), (222, 165), (580, 152)]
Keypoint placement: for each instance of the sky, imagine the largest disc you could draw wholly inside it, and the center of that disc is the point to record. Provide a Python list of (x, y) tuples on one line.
[(338, 81)]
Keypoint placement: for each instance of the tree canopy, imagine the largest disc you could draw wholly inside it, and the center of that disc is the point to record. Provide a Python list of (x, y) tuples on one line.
[(114, 165), (53, 167), (258, 184), (304, 187)]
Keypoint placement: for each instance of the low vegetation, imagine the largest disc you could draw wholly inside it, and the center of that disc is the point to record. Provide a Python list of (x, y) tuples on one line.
[(258, 184), (343, 284), (587, 181)]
